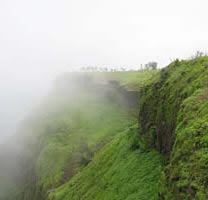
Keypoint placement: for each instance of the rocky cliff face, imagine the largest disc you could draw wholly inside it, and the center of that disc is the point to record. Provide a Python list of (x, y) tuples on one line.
[(173, 117)]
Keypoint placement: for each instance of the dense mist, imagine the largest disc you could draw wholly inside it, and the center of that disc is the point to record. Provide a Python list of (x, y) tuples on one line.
[(38, 40), (20, 92)]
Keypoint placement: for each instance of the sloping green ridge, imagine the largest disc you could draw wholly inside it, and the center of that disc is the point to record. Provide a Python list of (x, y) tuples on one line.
[(72, 139), (123, 169), (65, 134), (89, 149), (174, 119), (73, 128)]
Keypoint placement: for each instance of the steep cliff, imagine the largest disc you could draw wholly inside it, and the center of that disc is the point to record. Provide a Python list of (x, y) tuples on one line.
[(85, 119), (126, 135), (173, 117)]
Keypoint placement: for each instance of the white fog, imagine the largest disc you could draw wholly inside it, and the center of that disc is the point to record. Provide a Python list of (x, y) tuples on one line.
[(40, 39)]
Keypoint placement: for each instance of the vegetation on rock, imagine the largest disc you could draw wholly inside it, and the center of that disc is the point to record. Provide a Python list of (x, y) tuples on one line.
[(173, 117)]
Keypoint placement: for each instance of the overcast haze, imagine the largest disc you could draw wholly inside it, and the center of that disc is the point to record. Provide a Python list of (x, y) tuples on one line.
[(39, 39)]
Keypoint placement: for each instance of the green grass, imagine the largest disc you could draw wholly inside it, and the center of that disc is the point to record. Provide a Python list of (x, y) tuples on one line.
[(173, 116), (73, 130), (89, 121), (85, 129), (123, 169), (82, 134), (89, 138), (134, 80)]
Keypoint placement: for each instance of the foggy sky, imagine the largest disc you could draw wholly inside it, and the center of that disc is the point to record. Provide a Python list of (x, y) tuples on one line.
[(41, 38)]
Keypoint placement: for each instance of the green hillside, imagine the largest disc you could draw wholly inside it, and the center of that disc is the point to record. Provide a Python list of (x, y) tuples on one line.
[(116, 136), (72, 127), (123, 169), (174, 119)]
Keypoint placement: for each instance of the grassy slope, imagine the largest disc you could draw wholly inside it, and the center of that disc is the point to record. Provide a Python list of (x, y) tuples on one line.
[(70, 126), (123, 169), (73, 132), (70, 136), (75, 123), (134, 80), (130, 80), (174, 113), (168, 120)]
